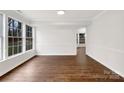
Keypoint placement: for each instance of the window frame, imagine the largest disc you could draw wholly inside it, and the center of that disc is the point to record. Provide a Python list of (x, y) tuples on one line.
[(15, 48), (28, 37)]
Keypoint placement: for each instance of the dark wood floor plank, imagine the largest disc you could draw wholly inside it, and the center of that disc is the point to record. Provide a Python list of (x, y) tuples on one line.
[(61, 69)]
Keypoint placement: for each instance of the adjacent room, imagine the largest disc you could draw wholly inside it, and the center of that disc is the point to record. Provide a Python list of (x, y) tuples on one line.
[(61, 45)]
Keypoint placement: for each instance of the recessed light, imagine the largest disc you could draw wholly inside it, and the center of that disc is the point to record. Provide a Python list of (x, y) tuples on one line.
[(60, 12)]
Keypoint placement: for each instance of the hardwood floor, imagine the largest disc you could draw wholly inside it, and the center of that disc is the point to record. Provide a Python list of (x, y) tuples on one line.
[(61, 69)]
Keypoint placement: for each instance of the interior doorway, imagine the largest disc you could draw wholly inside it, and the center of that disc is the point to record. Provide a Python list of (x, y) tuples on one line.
[(81, 35)]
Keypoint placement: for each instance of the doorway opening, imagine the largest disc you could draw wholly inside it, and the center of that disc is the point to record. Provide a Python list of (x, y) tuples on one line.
[(81, 39), (81, 35)]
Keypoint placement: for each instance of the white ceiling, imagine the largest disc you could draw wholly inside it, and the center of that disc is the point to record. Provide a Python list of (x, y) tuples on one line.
[(70, 17)]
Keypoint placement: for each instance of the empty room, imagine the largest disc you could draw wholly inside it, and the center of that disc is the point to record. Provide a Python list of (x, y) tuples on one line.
[(61, 45)]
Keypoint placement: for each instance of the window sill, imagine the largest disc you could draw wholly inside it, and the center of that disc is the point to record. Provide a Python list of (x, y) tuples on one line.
[(16, 55)]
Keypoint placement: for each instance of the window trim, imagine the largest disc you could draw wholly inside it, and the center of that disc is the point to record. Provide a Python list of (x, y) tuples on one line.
[(5, 36), (1, 37)]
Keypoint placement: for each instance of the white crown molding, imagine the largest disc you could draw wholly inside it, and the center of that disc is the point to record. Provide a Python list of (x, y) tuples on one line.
[(98, 15), (19, 12)]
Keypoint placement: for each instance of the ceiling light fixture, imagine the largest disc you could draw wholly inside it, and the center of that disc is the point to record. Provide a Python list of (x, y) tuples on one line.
[(61, 12)]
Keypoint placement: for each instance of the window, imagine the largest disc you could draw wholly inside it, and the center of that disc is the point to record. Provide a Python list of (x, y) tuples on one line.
[(29, 43), (14, 37)]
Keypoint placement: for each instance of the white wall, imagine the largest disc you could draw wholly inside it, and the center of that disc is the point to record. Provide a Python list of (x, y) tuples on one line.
[(1, 27), (8, 63), (12, 62), (56, 40), (105, 40)]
